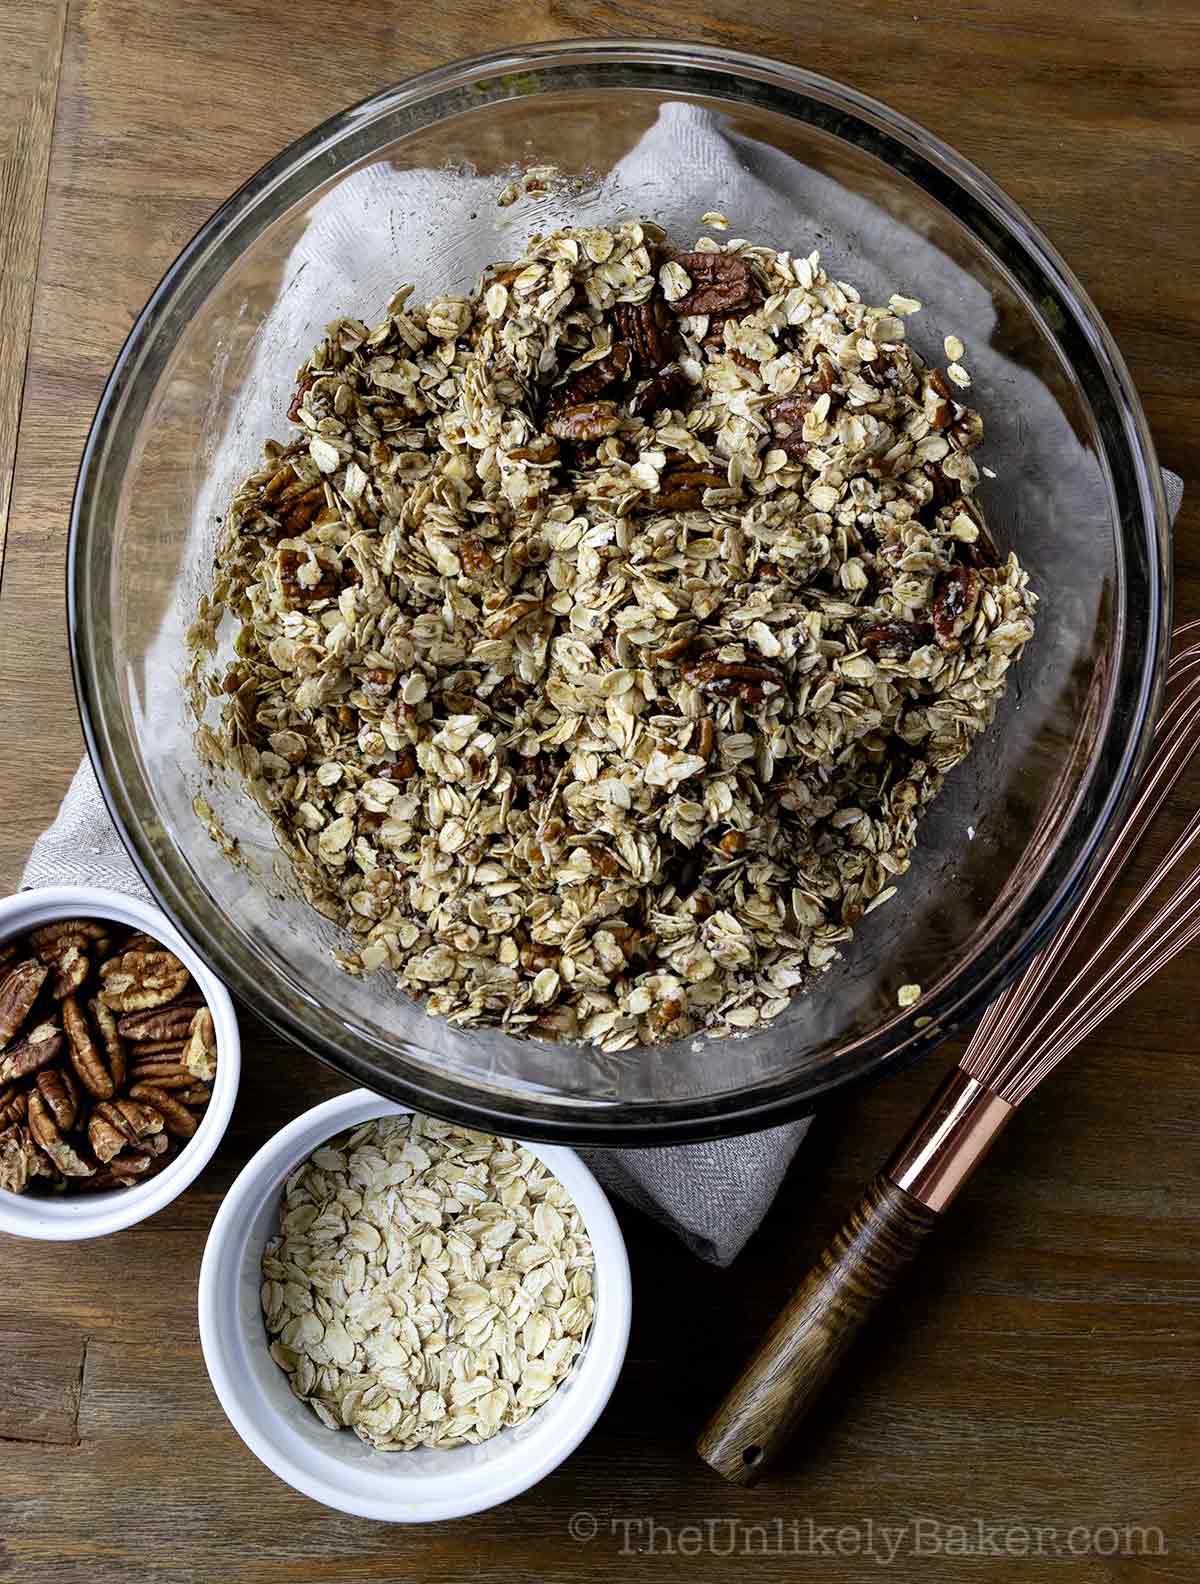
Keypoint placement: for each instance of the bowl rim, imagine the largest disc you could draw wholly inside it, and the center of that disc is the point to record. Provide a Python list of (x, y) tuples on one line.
[(60, 1220), (1142, 639), (425, 1498)]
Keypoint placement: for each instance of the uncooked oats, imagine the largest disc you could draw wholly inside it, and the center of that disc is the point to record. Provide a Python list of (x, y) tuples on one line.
[(602, 635)]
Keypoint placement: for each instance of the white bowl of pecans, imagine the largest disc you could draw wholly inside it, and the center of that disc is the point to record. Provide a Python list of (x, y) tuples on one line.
[(119, 1062), (408, 1320)]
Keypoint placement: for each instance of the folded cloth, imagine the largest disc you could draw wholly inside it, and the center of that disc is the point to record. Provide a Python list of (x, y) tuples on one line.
[(712, 1195)]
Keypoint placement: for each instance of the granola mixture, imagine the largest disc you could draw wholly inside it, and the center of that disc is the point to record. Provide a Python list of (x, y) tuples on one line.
[(107, 1056), (603, 635), (428, 1286)]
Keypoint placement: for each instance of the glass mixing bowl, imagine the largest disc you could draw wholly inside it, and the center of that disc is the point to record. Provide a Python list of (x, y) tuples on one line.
[(404, 188)]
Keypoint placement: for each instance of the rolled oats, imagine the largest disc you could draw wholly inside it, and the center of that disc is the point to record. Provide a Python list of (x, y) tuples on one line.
[(428, 1286), (602, 636)]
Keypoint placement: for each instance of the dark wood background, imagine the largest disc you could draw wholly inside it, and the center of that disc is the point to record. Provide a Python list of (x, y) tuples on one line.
[(1041, 1368)]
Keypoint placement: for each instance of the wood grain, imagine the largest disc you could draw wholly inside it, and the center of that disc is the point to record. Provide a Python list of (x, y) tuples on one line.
[(1042, 1368), (813, 1331), (31, 37), (42, 1372)]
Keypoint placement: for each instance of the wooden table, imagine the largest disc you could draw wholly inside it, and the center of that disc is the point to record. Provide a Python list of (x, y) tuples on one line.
[(1044, 1371)]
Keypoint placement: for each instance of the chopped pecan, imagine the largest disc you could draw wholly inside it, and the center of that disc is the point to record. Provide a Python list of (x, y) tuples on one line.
[(177, 1119), (535, 956), (824, 375), (647, 329), (706, 737), (404, 767), (321, 580), (44, 1131), (966, 432), (140, 980), (591, 381), (18, 992), (896, 640), (303, 386), (586, 421), (88, 1061), (503, 621), (786, 417), (955, 598), (733, 843), (667, 390), (58, 1089), (541, 451), (40, 1048), (677, 649), (681, 486), (721, 282), (200, 1056), (473, 556), (670, 1011), (734, 679)]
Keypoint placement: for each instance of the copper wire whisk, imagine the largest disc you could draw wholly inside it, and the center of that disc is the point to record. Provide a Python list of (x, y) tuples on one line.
[(1064, 993)]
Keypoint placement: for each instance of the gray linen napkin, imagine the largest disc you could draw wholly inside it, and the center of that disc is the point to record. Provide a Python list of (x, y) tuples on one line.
[(712, 1195)]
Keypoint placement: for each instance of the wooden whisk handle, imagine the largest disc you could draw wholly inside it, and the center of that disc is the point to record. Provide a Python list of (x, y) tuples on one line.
[(809, 1337), (831, 1304)]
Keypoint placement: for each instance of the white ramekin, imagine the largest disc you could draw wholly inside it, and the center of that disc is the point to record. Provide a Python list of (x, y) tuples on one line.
[(334, 1466), (69, 1218)]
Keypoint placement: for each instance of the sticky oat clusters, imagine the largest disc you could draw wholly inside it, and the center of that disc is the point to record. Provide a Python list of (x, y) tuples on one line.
[(601, 637)]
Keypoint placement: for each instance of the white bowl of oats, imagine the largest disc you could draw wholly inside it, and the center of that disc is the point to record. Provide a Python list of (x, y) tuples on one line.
[(411, 1321)]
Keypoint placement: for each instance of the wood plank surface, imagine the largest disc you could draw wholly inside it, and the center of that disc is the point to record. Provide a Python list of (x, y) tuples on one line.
[(1040, 1367)]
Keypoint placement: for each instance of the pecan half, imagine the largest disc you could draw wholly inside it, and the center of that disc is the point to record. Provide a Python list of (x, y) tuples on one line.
[(786, 417), (734, 679), (681, 486), (140, 980), (110, 1038), (50, 941), (503, 621), (70, 972), (668, 390), (18, 992), (41, 1048), (647, 329), (721, 282), (20, 1159), (14, 1103), (586, 421), (87, 1060), (955, 598), (593, 380), (200, 1057), (177, 1119), (167, 1072), (297, 507), (60, 1092), (896, 640), (46, 1135), (120, 1125)]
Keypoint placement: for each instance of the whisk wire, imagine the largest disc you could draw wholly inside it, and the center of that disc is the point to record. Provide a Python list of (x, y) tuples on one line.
[(1027, 1031)]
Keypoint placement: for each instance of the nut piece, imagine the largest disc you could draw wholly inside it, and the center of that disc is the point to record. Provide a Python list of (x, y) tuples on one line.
[(896, 640), (735, 679), (88, 1062), (721, 282), (586, 421), (58, 1089), (160, 1026), (110, 1038), (178, 1120), (40, 1049), (138, 980), (681, 486), (20, 1160), (786, 417), (955, 599), (668, 390), (45, 1133), (70, 972), (14, 1103), (592, 381), (18, 991), (200, 1056), (647, 330)]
